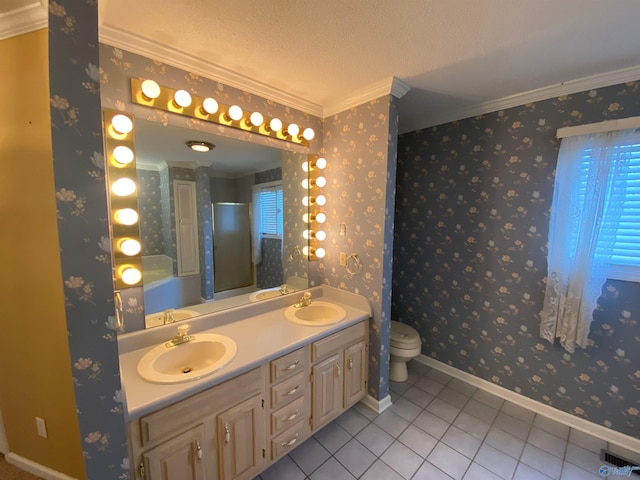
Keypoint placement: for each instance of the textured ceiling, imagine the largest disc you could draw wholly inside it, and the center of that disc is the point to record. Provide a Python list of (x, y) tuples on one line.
[(454, 54)]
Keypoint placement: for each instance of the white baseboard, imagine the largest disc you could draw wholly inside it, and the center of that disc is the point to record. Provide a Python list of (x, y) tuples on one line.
[(377, 406), (599, 431), (35, 468)]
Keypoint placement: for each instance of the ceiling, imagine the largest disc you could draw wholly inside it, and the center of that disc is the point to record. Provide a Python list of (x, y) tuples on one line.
[(459, 57)]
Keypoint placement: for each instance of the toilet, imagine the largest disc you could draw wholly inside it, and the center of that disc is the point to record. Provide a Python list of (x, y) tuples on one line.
[(405, 344)]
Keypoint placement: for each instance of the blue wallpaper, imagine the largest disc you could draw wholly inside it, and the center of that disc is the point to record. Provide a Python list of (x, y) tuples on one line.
[(83, 233), (150, 209), (471, 228), (360, 150)]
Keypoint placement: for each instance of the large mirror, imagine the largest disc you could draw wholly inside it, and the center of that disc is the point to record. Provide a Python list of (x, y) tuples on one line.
[(219, 228)]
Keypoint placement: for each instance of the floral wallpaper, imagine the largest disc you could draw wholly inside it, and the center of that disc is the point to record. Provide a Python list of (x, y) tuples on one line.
[(471, 232), (360, 150), (269, 270), (78, 158), (150, 207)]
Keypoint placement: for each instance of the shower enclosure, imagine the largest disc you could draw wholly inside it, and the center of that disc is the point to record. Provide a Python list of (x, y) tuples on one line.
[(231, 246)]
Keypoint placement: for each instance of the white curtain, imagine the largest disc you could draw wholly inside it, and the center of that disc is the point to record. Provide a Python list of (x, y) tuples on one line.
[(582, 197), (256, 228)]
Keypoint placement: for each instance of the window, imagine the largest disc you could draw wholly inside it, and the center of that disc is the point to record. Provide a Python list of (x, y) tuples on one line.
[(271, 210), (618, 241)]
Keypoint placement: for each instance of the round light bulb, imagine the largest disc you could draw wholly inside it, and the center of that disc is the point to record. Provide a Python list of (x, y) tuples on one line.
[(256, 119), (306, 218), (130, 247), (235, 112), (123, 187), (320, 252), (123, 154), (305, 184), (307, 234), (150, 89), (305, 166), (182, 98), (321, 218), (131, 275), (293, 129), (121, 123), (321, 182), (321, 235), (321, 163), (275, 124), (126, 216), (305, 201), (308, 134), (305, 251), (209, 106), (321, 200)]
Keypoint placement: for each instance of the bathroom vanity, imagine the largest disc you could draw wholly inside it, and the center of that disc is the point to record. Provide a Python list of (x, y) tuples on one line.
[(286, 381)]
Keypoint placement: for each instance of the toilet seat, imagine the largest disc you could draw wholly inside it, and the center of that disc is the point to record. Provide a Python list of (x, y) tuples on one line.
[(404, 336)]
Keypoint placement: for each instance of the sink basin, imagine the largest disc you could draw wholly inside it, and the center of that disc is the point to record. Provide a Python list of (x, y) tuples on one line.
[(264, 294), (205, 354), (318, 313), (156, 319)]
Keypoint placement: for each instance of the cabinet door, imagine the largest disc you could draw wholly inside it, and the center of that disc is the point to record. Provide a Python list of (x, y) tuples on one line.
[(241, 439), (180, 458), (355, 373), (327, 390)]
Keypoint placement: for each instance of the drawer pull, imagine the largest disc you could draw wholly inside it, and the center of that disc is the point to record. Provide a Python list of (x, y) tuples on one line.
[(227, 434), (338, 369), (290, 367), (292, 416), (293, 390), (198, 450), (290, 442)]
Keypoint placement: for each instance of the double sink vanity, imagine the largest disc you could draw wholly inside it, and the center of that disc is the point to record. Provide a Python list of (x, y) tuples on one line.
[(238, 389)]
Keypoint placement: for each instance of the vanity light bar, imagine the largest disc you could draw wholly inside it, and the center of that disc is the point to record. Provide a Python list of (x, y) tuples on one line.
[(123, 199), (314, 200), (150, 94)]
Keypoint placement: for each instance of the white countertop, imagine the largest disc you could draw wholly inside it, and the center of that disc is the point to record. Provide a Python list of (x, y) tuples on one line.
[(260, 331)]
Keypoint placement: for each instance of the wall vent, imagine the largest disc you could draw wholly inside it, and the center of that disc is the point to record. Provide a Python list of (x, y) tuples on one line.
[(617, 461)]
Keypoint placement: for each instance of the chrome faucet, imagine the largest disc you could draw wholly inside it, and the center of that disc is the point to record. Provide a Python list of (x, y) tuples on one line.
[(304, 301), (182, 337), (168, 316), (284, 289)]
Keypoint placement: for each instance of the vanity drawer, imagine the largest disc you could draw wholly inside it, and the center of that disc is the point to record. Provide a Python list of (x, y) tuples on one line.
[(288, 365), (338, 341), (288, 415), (288, 440), (288, 390)]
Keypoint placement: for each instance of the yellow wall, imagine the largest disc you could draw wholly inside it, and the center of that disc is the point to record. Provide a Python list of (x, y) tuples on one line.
[(35, 372)]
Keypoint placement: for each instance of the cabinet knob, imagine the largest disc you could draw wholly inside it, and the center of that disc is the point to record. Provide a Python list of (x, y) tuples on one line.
[(293, 390), (338, 370), (290, 442), (227, 434), (198, 450), (292, 416), (290, 367), (350, 363)]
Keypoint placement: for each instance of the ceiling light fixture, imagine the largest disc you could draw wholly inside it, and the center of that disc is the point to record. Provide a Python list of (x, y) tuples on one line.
[(200, 146)]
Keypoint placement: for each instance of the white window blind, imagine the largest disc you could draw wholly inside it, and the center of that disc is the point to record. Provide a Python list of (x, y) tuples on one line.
[(271, 210), (620, 231)]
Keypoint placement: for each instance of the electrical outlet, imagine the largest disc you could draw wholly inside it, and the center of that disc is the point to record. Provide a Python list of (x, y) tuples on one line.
[(343, 259), (41, 426)]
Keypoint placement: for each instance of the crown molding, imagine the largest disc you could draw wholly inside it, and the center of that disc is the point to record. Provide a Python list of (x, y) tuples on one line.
[(565, 88), (389, 86), (22, 20), (140, 45)]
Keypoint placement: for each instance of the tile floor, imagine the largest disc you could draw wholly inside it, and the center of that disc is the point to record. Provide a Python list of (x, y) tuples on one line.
[(440, 428)]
